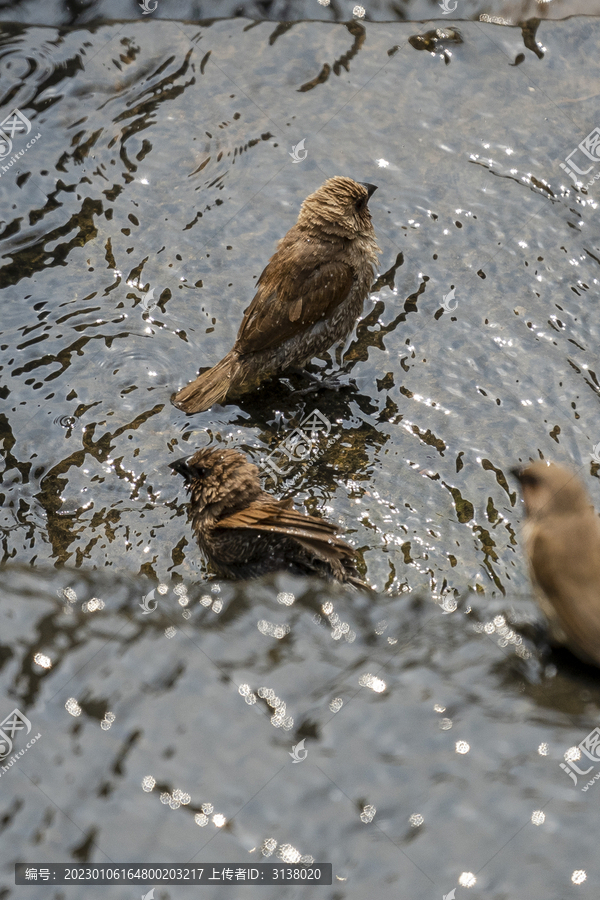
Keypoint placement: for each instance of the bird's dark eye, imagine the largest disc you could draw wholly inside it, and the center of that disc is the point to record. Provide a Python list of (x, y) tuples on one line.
[(360, 204), (531, 480), (200, 471)]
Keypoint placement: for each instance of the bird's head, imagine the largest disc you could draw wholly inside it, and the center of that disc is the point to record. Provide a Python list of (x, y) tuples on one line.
[(549, 489), (218, 481), (340, 206)]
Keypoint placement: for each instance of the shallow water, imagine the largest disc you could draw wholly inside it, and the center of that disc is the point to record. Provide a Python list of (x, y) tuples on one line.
[(163, 164), (502, 12)]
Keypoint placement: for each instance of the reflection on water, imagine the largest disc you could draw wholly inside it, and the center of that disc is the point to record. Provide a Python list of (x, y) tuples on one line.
[(132, 235)]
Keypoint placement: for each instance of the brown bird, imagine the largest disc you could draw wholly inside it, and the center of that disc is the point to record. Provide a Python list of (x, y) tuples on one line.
[(244, 532), (308, 297), (562, 536)]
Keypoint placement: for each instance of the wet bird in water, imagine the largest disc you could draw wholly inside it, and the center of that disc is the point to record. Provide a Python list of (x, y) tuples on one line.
[(245, 532), (308, 297), (562, 535)]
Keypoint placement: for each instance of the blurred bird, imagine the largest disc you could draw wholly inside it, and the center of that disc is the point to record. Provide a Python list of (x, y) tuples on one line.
[(562, 536), (308, 297), (244, 532)]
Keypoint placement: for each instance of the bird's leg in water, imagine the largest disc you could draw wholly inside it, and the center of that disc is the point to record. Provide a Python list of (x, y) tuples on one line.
[(319, 382)]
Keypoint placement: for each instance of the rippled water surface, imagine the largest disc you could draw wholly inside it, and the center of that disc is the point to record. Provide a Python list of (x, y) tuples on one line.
[(133, 228)]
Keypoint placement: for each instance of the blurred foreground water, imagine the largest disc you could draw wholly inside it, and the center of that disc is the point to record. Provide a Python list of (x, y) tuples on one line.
[(434, 739)]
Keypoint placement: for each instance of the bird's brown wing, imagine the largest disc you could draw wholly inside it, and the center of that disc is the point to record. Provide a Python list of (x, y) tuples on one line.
[(315, 535), (565, 558), (296, 289), (277, 516)]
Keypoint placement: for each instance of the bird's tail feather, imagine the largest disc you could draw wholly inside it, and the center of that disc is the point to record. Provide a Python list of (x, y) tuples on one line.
[(208, 388)]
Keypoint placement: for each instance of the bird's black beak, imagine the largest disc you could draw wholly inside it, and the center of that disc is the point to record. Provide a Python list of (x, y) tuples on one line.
[(370, 188), (182, 467), (517, 472)]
